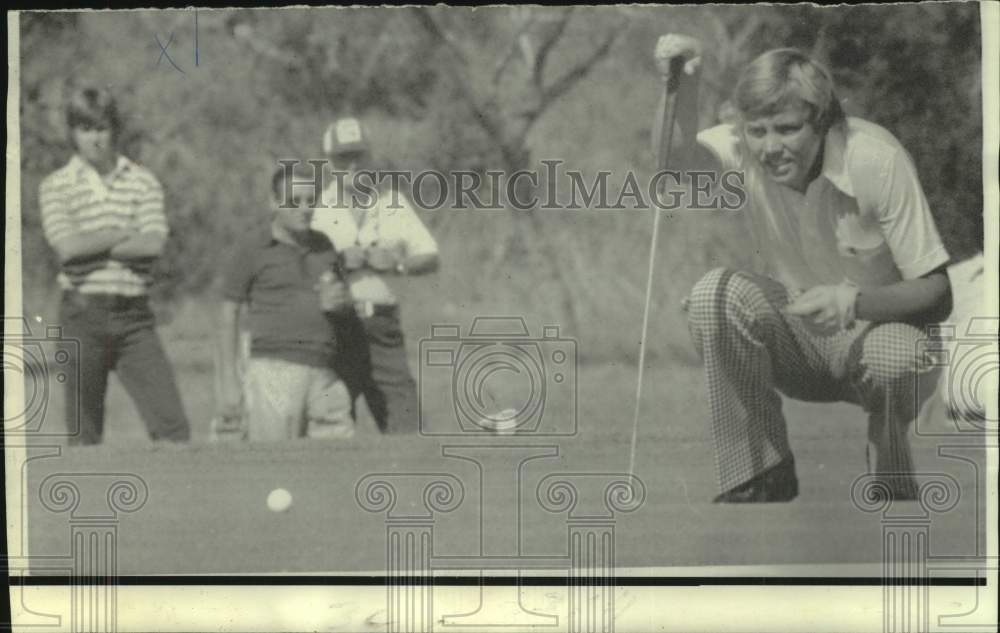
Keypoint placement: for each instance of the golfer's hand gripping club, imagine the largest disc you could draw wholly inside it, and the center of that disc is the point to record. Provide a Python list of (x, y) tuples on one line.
[(674, 53)]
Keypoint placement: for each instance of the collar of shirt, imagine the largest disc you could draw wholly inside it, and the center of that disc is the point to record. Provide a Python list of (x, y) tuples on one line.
[(334, 198), (83, 169), (834, 160), (368, 219), (313, 241)]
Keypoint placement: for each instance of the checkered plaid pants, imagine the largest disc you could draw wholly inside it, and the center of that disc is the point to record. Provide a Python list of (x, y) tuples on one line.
[(752, 350)]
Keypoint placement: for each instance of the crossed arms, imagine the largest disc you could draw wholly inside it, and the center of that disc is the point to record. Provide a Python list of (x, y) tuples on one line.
[(118, 244)]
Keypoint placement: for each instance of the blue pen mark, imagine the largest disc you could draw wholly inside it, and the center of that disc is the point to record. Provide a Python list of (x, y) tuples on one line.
[(164, 53), (196, 36)]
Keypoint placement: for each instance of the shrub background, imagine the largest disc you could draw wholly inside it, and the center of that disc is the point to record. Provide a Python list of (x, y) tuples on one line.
[(268, 81)]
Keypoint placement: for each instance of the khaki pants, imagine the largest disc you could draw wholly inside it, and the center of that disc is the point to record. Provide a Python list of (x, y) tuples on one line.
[(289, 400)]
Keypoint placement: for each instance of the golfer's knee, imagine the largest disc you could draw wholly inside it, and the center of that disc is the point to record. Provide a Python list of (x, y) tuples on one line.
[(724, 293), (890, 355), (707, 295)]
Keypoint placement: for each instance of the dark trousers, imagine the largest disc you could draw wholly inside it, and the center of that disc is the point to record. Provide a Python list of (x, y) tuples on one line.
[(117, 333), (372, 362)]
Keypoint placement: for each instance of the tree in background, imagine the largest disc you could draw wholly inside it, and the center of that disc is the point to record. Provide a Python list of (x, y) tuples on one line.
[(489, 88), (494, 61)]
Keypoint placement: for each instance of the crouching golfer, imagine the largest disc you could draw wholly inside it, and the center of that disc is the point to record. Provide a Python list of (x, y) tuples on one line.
[(851, 270), (289, 276)]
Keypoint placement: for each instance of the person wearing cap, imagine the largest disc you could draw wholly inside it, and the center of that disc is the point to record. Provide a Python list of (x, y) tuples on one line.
[(103, 216), (289, 276), (851, 269), (380, 238)]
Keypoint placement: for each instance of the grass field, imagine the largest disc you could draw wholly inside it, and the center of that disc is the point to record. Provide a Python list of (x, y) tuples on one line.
[(206, 510)]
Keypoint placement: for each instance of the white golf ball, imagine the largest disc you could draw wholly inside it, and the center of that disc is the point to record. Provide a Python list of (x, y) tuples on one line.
[(279, 500)]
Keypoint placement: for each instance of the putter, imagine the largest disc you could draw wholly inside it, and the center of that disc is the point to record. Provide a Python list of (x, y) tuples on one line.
[(663, 137)]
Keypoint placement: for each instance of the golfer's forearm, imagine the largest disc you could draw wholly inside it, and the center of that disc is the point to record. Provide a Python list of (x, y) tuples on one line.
[(923, 300), (421, 264), (139, 246)]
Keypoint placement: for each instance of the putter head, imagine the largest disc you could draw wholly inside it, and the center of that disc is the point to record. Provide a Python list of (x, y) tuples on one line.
[(222, 429)]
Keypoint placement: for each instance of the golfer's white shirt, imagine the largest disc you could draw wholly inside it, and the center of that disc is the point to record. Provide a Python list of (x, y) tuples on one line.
[(865, 219), (390, 223)]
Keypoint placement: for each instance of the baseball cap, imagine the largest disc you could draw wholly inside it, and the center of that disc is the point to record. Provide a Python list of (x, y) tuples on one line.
[(344, 136)]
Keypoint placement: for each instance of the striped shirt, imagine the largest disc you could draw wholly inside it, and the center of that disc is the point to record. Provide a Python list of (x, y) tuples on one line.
[(76, 199)]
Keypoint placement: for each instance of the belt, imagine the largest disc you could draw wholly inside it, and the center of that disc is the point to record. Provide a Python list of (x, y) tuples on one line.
[(370, 309), (106, 301)]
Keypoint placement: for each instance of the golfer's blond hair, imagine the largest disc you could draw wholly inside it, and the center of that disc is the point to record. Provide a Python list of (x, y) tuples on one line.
[(782, 77)]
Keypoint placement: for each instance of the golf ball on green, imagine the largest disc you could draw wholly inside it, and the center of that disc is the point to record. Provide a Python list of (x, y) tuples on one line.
[(279, 500)]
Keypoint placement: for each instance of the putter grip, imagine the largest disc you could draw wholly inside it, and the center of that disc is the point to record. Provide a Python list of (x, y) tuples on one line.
[(674, 71), (663, 124)]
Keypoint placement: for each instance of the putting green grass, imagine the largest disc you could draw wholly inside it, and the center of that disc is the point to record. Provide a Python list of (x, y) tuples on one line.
[(206, 510)]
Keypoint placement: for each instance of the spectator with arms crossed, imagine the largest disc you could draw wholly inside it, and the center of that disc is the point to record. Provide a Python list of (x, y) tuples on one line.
[(289, 277), (851, 269), (103, 216), (380, 237)]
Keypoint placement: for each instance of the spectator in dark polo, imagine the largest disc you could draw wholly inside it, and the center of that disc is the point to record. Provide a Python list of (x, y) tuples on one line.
[(103, 216), (289, 278)]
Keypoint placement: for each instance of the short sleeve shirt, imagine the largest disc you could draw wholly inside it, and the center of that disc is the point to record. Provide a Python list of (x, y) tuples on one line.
[(865, 219), (278, 282), (390, 223), (76, 199)]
